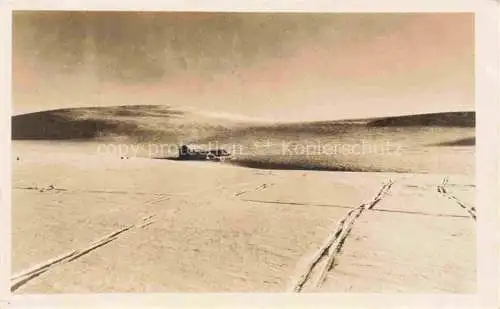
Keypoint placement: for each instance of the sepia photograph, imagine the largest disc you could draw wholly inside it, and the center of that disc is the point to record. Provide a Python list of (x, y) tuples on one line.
[(250, 152)]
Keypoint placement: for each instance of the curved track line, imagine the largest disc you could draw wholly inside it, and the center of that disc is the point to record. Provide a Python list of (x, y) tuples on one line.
[(471, 210), (335, 241), (25, 276)]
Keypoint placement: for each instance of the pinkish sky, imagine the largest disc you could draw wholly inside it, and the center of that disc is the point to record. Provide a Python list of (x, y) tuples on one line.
[(273, 66)]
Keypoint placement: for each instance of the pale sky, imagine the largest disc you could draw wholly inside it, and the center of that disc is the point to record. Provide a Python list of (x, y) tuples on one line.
[(274, 66)]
